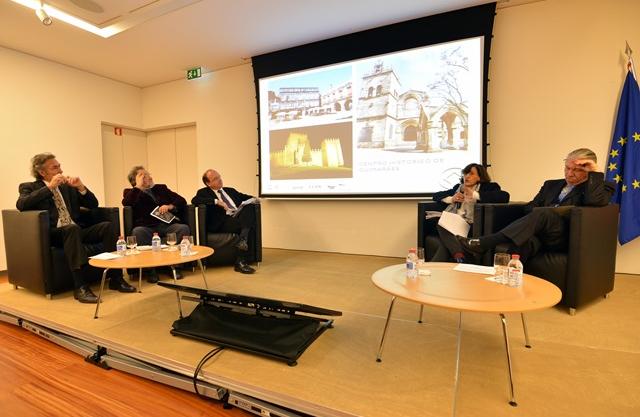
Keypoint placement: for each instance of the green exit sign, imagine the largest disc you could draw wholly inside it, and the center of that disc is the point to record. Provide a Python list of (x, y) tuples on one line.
[(194, 73)]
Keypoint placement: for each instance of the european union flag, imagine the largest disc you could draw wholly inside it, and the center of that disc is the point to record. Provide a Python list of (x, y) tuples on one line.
[(623, 166)]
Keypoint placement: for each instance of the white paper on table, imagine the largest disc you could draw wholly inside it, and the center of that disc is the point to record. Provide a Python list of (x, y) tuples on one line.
[(454, 223), (476, 269), (106, 256), (149, 247)]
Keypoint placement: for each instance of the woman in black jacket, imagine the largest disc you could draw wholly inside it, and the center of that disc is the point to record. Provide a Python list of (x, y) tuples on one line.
[(475, 187)]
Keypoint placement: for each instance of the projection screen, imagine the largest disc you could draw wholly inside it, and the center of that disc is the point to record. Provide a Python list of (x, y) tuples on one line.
[(398, 124)]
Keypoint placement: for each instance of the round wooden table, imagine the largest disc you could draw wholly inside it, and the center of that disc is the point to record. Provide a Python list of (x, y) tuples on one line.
[(151, 259), (466, 291)]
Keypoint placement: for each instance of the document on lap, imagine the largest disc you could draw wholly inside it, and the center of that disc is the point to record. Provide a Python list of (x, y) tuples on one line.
[(166, 217), (454, 223), (235, 212)]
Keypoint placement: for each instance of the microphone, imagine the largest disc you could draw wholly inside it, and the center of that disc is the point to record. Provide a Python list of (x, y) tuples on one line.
[(460, 190)]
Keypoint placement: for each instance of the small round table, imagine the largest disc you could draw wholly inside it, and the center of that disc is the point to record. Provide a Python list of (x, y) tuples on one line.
[(466, 291), (151, 259)]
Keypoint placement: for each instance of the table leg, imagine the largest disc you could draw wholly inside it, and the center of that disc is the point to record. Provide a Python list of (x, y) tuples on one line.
[(421, 310), (204, 277), (503, 320), (104, 277), (175, 281), (457, 376), (384, 332), (526, 333), (140, 280)]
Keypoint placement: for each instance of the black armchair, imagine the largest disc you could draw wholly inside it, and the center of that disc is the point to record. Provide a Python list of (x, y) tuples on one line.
[(586, 271), (428, 237), (32, 262), (187, 216), (223, 244)]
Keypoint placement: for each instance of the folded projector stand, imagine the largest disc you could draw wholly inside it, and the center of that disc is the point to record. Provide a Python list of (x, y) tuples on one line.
[(267, 327)]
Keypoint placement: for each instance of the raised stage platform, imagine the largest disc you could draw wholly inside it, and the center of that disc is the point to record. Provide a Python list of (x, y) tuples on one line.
[(588, 364)]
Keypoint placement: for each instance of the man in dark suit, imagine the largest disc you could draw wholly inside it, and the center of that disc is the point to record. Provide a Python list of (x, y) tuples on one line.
[(143, 198), (221, 203), (582, 186), (62, 197)]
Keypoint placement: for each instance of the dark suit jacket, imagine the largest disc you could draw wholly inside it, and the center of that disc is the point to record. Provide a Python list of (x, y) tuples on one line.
[(37, 196), (143, 204), (215, 214), (490, 192), (593, 192)]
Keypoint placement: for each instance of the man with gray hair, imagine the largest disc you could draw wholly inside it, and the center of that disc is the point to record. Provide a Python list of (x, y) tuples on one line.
[(144, 197), (62, 197), (582, 186)]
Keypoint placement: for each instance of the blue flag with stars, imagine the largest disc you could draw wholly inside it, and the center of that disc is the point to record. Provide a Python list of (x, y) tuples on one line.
[(623, 166)]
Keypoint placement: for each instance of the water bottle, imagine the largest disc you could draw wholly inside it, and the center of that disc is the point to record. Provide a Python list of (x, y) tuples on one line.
[(515, 271), (185, 247), (121, 246), (156, 244), (412, 264)]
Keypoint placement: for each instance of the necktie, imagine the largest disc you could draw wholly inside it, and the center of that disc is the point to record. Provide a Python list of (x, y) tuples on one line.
[(226, 199), (566, 190), (64, 219)]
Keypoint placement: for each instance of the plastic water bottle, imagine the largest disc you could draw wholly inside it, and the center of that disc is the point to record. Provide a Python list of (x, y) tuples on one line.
[(121, 246), (515, 271), (412, 264), (156, 244), (185, 247)]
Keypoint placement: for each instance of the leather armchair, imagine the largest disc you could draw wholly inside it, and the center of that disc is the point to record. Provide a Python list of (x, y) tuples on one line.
[(223, 244), (187, 216), (32, 262), (586, 271), (428, 237)]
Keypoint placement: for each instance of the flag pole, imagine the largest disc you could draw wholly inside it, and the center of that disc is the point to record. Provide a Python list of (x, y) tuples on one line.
[(630, 66)]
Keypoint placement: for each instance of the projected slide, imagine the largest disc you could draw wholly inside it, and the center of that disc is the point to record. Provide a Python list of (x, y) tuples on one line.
[(402, 123)]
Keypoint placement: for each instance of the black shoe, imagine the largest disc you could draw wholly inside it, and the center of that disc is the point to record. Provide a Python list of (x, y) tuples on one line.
[(120, 285), (152, 276), (243, 267), (85, 295), (470, 245), (242, 245)]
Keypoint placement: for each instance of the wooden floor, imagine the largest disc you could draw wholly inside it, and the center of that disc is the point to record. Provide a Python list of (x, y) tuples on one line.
[(40, 378)]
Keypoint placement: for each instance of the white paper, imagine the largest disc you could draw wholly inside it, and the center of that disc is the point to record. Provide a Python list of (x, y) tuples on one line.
[(149, 247), (234, 212), (106, 256), (454, 223), (476, 269)]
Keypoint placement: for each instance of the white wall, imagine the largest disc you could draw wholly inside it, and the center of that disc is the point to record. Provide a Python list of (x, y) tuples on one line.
[(47, 107), (556, 71)]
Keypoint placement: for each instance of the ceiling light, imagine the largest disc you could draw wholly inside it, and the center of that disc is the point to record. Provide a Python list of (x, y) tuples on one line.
[(43, 16)]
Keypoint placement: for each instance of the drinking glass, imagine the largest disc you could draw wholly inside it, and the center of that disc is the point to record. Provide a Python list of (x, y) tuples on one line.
[(132, 244), (421, 264), (500, 262), (420, 253), (190, 239), (171, 241)]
